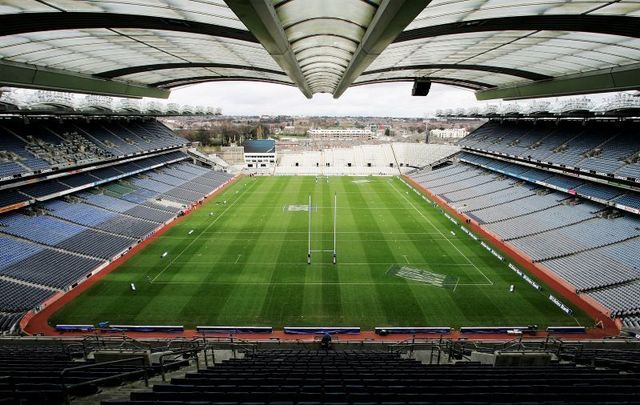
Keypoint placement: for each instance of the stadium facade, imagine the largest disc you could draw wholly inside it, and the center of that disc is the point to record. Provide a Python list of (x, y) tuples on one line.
[(135, 49)]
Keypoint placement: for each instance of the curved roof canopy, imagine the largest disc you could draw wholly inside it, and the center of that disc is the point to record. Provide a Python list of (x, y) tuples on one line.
[(499, 48)]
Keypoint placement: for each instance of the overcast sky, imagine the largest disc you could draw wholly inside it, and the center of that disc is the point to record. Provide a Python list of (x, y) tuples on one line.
[(387, 99), (382, 100)]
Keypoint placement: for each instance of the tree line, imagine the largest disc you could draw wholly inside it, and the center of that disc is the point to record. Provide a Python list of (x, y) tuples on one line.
[(226, 134)]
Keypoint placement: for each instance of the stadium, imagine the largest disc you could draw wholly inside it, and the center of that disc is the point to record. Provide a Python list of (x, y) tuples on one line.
[(343, 266)]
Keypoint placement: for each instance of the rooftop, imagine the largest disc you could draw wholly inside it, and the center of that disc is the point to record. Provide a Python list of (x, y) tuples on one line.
[(500, 49)]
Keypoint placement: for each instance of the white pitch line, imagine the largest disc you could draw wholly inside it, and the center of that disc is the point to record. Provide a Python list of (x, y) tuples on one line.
[(305, 240), (304, 283), (438, 229), (456, 286), (405, 258), (244, 190), (576, 319), (317, 207), (236, 262), (331, 232), (341, 192), (341, 263)]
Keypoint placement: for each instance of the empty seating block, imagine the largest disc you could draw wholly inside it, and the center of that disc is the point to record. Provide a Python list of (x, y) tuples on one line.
[(297, 376), (128, 226), (17, 297), (569, 236), (12, 196), (582, 236), (79, 213), (34, 370), (52, 268), (66, 184), (51, 144), (78, 180), (623, 299), (107, 202), (594, 147), (43, 189), (150, 214), (101, 245), (39, 228), (632, 322), (9, 323), (139, 195), (13, 251)]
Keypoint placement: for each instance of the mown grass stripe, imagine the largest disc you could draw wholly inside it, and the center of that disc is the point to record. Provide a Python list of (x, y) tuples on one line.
[(249, 267)]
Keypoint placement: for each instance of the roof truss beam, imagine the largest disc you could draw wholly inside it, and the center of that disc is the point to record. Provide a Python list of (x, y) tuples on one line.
[(36, 77), (613, 79), (164, 66), (30, 76), (524, 74), (259, 16), (390, 19), (13, 24), (600, 24), (467, 84), (202, 79)]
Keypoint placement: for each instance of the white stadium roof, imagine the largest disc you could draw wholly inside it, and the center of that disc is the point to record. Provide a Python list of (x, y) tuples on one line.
[(499, 48)]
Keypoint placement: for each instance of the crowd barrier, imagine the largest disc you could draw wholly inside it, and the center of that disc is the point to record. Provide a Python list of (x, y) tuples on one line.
[(234, 329), (75, 328), (350, 330), (567, 329), (147, 328), (412, 330), (492, 329)]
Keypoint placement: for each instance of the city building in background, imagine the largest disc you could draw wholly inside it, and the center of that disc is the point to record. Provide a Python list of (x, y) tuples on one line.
[(340, 133), (260, 153)]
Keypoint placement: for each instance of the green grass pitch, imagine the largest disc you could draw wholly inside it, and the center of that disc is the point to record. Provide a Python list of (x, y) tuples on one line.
[(401, 262)]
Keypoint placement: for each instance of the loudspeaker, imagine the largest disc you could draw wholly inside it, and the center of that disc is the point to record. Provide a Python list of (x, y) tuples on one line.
[(421, 87)]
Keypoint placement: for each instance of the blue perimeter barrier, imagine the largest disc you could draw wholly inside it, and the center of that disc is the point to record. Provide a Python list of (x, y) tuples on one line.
[(234, 329), (567, 329), (74, 328), (492, 329), (146, 328), (410, 330), (321, 330)]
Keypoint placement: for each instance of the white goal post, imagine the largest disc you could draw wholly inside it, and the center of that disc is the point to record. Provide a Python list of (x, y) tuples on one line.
[(335, 231)]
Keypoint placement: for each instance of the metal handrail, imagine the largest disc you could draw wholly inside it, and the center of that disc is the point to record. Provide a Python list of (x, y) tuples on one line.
[(68, 348), (138, 345), (401, 343), (192, 351), (235, 343), (610, 361), (66, 388), (119, 340), (196, 341)]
